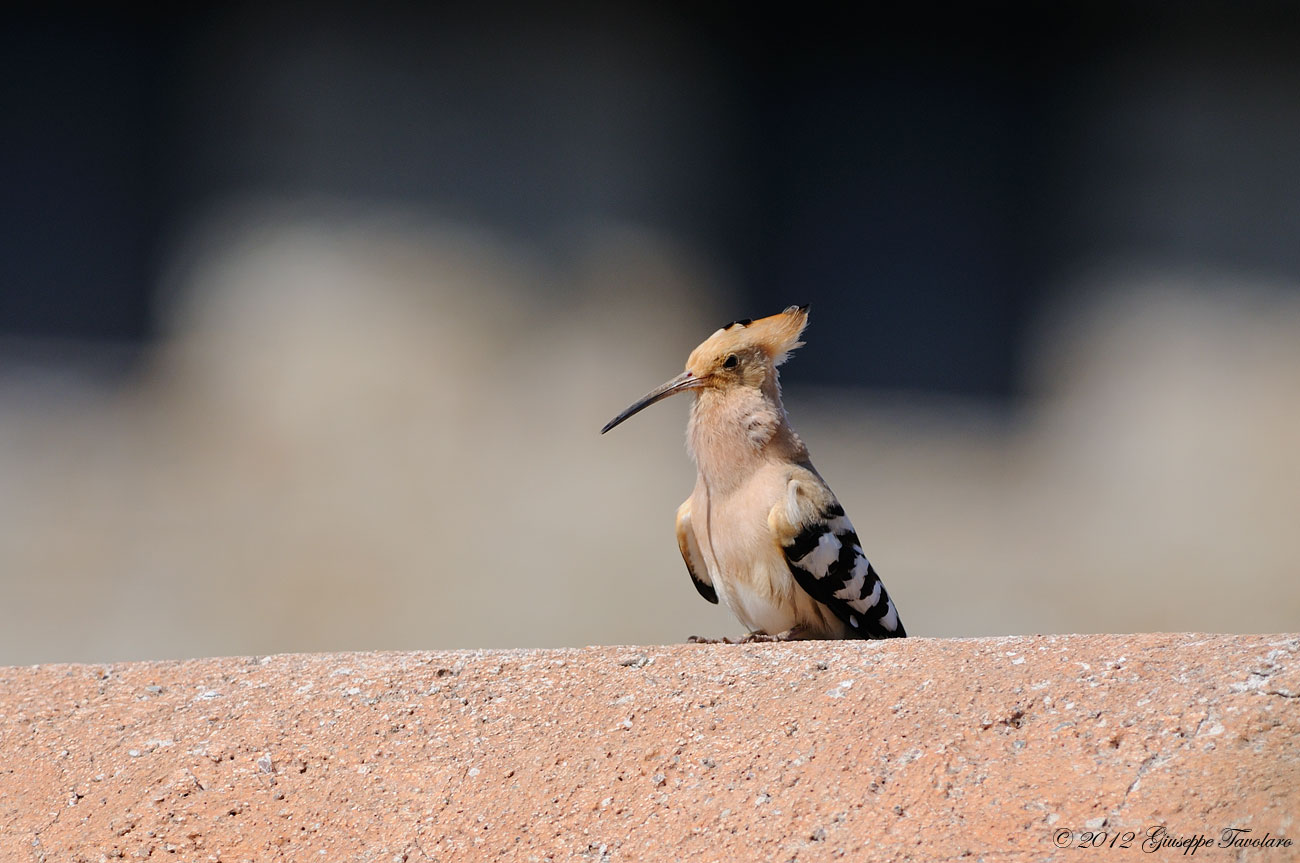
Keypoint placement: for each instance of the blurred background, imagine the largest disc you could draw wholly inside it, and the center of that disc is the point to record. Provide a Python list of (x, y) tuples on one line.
[(310, 316)]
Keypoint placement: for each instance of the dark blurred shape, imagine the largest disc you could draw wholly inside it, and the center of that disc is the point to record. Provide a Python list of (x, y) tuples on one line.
[(81, 96), (922, 179)]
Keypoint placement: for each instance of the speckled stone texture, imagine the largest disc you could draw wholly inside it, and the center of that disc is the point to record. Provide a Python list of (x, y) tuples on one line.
[(907, 750)]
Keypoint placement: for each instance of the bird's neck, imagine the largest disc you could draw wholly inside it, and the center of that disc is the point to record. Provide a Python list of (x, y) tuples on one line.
[(733, 431)]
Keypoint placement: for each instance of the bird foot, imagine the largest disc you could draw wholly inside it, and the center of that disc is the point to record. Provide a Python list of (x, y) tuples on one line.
[(798, 632), (794, 633)]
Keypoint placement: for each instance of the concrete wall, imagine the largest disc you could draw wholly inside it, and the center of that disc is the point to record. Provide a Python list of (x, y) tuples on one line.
[(1009, 748)]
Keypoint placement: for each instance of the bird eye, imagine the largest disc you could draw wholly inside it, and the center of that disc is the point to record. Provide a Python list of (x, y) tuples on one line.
[(731, 362)]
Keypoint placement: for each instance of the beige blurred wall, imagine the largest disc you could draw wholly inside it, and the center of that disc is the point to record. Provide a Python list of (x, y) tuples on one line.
[(373, 430)]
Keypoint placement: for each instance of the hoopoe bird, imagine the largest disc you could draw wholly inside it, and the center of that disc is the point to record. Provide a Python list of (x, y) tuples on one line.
[(762, 531)]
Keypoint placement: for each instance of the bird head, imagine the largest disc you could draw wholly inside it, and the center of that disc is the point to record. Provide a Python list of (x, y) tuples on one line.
[(744, 353)]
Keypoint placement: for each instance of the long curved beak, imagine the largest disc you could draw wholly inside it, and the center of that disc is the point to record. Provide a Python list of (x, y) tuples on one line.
[(684, 381)]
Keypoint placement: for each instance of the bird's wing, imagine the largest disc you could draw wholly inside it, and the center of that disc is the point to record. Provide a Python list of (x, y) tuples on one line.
[(826, 559), (690, 547)]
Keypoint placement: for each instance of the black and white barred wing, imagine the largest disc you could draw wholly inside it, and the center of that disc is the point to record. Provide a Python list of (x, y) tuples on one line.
[(826, 559)]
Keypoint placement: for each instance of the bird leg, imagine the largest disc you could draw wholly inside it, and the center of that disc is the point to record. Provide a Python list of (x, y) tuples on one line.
[(798, 632)]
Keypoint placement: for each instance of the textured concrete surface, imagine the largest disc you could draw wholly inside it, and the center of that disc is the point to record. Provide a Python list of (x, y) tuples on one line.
[(917, 750)]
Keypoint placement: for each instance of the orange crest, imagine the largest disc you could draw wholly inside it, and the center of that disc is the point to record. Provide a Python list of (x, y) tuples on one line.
[(776, 335)]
